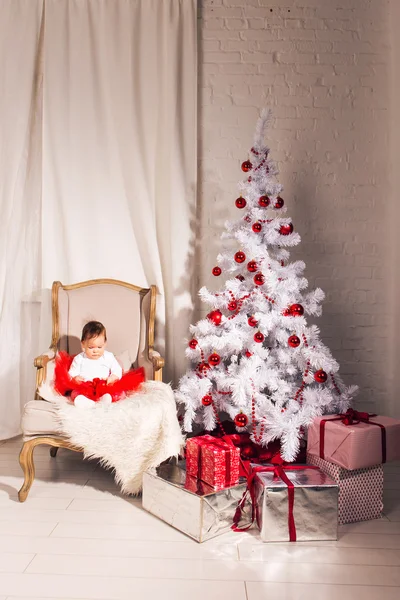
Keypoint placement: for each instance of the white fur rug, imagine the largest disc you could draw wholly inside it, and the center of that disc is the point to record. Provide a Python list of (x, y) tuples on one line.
[(130, 436)]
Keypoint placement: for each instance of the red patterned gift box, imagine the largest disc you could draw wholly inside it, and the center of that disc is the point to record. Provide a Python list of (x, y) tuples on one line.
[(354, 440), (213, 460), (360, 490)]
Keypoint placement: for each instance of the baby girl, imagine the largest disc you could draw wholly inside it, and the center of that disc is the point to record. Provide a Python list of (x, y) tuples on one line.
[(94, 362)]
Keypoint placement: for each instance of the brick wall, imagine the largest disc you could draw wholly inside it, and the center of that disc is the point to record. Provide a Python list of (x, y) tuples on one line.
[(323, 67)]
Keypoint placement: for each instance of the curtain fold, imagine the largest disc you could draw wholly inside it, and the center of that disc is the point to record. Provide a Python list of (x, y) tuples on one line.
[(116, 152), (21, 46)]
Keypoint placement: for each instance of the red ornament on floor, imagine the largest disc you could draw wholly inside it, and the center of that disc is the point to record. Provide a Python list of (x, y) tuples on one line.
[(320, 376), (216, 271), (252, 321), (232, 305), (256, 227), (215, 316), (279, 202), (286, 229), (246, 166), (240, 202), (258, 278), (264, 201), (296, 310), (258, 337), (240, 257), (294, 341), (214, 359), (193, 344), (252, 266), (206, 400), (241, 420)]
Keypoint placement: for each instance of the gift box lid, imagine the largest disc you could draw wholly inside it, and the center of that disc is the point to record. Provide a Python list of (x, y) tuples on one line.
[(175, 475), (300, 478)]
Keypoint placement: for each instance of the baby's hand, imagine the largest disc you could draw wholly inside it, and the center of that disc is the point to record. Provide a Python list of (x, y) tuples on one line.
[(79, 379), (111, 379)]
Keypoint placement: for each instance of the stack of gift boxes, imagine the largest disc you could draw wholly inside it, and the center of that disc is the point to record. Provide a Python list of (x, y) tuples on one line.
[(214, 491), (352, 448)]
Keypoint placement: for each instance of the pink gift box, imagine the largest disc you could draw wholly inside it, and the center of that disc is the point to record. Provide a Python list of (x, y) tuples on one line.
[(355, 446), (212, 460), (360, 491)]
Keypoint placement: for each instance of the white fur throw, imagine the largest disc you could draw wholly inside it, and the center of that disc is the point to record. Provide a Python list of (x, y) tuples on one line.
[(130, 436)]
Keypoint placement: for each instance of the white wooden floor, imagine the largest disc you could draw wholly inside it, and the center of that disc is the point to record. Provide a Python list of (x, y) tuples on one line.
[(77, 538)]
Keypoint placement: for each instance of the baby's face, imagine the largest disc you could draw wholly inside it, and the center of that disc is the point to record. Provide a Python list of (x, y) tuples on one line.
[(94, 348)]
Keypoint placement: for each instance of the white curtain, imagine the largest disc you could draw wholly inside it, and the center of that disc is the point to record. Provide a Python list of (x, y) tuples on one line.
[(21, 43), (117, 154)]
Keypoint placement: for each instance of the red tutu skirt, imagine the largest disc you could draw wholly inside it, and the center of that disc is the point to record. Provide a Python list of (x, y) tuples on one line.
[(94, 390)]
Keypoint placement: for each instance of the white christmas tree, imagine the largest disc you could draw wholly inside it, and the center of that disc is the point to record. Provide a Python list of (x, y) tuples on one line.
[(255, 357)]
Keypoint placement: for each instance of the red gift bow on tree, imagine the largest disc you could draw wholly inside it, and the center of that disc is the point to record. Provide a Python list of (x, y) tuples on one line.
[(351, 417), (278, 471)]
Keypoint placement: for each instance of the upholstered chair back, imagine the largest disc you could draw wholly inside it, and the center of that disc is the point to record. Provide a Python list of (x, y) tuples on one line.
[(126, 311)]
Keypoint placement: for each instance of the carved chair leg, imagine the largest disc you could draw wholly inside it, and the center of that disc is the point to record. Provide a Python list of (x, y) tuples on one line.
[(53, 451), (28, 467)]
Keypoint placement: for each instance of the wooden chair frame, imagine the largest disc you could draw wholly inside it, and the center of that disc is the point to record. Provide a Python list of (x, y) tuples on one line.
[(26, 455)]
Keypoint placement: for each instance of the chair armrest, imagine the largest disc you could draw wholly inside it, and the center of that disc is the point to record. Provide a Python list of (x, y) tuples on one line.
[(41, 361), (157, 360)]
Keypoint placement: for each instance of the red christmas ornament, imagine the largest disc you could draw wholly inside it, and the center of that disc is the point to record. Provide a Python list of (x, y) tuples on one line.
[(240, 257), (258, 337), (258, 278), (286, 229), (240, 202), (241, 420), (252, 266), (232, 305), (286, 312), (264, 201), (246, 166), (256, 227), (252, 321), (279, 202), (240, 277), (296, 310), (294, 341), (214, 359), (248, 353), (320, 376), (204, 366), (193, 344), (215, 316), (247, 452), (206, 400), (216, 271)]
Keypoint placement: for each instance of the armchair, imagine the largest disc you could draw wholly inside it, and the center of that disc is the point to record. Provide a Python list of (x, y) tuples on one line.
[(128, 313)]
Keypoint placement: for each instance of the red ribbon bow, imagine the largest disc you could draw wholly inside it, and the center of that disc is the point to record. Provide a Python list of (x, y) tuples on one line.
[(351, 417), (278, 471)]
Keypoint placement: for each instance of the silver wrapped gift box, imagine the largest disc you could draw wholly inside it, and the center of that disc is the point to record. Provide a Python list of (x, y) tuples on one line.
[(315, 508), (190, 505)]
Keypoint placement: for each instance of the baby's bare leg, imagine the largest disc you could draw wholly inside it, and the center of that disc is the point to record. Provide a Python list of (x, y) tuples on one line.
[(83, 402), (106, 399)]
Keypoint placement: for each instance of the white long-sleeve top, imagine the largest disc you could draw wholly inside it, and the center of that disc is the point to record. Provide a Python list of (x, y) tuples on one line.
[(90, 369)]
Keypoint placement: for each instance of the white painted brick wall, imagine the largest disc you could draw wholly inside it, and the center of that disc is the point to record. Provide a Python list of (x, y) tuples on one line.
[(323, 67)]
